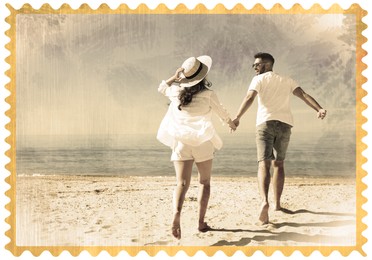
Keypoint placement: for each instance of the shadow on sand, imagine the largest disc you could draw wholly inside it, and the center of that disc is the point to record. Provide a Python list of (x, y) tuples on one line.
[(288, 211), (289, 236), (238, 230), (282, 236)]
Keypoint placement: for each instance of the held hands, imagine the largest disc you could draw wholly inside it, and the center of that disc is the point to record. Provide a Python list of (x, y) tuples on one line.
[(236, 122), (233, 125), (322, 113)]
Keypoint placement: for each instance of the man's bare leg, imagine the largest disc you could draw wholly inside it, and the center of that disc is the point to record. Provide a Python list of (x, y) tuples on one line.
[(205, 169), (263, 186), (278, 182), (183, 173)]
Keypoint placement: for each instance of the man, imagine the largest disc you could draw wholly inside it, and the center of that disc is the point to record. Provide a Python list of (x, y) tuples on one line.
[(273, 125)]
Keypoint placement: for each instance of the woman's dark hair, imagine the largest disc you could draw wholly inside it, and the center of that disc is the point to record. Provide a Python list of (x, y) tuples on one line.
[(186, 94)]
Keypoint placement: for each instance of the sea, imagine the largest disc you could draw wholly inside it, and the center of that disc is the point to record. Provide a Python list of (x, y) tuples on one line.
[(143, 155)]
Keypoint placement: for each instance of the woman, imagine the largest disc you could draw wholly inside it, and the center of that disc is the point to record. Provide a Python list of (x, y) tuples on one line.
[(188, 130)]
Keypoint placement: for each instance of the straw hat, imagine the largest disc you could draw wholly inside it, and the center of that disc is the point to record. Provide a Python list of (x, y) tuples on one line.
[(195, 70)]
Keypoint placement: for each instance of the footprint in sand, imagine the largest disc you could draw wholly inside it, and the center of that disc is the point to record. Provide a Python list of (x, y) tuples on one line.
[(98, 191), (53, 195), (158, 243), (106, 227), (203, 235), (191, 199)]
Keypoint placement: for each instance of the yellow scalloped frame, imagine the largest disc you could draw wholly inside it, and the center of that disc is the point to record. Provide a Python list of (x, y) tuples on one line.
[(182, 9)]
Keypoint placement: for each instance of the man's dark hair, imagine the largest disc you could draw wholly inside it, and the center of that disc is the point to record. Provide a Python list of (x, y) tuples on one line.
[(265, 57)]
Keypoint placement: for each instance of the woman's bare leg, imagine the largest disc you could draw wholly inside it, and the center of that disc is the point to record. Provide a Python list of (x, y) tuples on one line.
[(183, 173), (205, 170)]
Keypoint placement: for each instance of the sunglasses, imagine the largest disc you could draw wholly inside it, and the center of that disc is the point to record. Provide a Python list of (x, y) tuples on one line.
[(258, 64)]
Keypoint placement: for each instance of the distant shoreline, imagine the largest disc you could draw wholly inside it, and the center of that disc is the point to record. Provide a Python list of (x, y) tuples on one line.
[(66, 176)]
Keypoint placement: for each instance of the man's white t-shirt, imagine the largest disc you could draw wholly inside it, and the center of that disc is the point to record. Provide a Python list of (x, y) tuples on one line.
[(274, 92)]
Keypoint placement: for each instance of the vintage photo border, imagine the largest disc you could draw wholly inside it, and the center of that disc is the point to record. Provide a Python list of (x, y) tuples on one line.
[(354, 9)]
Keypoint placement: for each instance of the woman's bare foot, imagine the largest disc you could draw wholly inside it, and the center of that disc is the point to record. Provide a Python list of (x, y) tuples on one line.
[(264, 214), (176, 232), (176, 227)]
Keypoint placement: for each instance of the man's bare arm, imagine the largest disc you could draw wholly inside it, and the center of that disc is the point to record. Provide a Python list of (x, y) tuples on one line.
[(246, 103), (310, 101)]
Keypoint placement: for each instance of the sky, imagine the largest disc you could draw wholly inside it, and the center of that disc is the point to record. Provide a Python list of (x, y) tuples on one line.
[(98, 74)]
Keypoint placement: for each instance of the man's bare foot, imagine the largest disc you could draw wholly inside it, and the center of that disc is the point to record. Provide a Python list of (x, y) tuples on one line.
[(203, 227), (176, 227), (264, 214), (278, 208)]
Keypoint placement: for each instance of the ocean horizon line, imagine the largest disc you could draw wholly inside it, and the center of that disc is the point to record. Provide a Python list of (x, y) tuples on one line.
[(174, 175)]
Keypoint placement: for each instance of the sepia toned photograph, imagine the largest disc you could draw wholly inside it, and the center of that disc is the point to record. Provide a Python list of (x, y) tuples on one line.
[(170, 129)]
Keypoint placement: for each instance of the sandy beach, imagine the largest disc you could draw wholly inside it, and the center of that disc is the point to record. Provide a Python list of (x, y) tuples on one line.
[(137, 211)]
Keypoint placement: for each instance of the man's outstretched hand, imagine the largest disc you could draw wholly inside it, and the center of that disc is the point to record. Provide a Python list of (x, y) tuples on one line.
[(322, 113)]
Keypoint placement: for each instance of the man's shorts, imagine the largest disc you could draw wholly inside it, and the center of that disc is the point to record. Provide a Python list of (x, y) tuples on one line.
[(201, 153), (272, 139)]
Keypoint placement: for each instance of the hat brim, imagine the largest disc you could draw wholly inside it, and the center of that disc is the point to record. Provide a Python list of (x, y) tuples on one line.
[(206, 63)]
